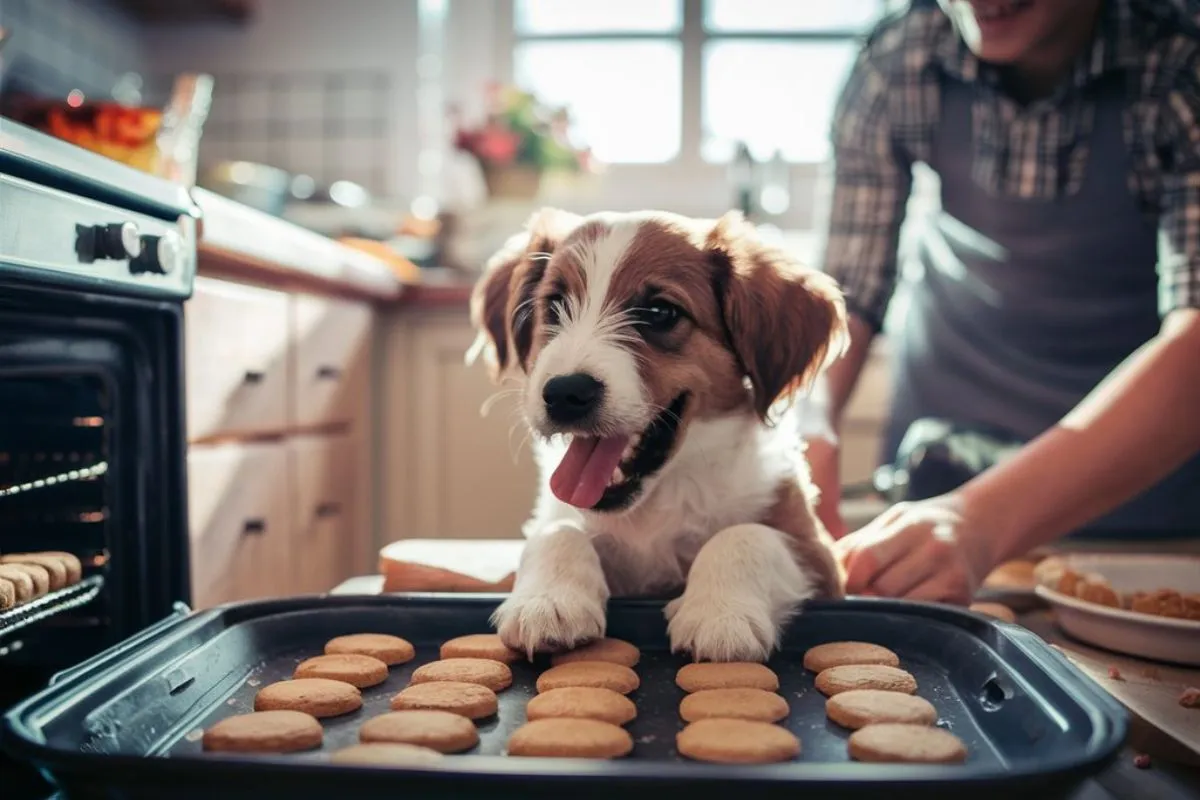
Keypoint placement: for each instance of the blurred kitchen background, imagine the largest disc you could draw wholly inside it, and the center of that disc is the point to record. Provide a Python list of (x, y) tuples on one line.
[(357, 161)]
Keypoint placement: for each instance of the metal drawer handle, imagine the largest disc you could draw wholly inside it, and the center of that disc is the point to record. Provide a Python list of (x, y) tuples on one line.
[(254, 527), (254, 376), (328, 373), (325, 510)]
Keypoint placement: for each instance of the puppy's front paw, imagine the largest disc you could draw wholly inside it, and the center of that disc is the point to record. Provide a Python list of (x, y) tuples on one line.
[(714, 630), (549, 621)]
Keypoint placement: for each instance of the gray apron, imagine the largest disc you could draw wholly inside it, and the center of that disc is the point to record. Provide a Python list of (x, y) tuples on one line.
[(1022, 306)]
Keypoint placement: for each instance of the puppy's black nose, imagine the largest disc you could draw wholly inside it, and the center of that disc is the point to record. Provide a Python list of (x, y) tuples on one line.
[(570, 398)]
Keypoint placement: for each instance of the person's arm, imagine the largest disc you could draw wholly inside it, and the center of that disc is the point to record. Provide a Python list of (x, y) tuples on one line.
[(1136, 428), (863, 210)]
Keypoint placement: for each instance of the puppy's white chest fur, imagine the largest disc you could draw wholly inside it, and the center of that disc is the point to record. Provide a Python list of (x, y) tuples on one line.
[(728, 471)]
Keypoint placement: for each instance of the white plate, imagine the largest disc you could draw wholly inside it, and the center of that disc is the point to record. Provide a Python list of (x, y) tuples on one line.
[(1144, 635)]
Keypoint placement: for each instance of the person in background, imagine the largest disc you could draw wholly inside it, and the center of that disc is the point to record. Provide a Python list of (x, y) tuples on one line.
[(1051, 312)]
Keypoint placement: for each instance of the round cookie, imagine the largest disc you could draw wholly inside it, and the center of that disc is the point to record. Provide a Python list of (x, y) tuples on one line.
[(385, 647), (492, 674), (319, 697), (563, 737), (726, 675), (737, 741), (56, 568), (265, 732), (910, 744), (8, 594), (837, 654), (582, 702), (37, 573), (865, 676), (22, 583), (471, 700), (603, 674), (997, 610), (480, 645), (352, 668), (858, 708), (438, 730), (385, 754), (735, 703), (615, 651)]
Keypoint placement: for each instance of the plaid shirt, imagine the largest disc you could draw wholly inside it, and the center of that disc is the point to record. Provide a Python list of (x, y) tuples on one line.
[(889, 109)]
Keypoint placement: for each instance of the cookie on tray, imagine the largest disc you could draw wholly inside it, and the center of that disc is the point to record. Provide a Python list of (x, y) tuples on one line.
[(726, 675), (352, 668), (865, 676), (838, 654), (563, 737), (736, 703), (471, 700), (737, 741), (8, 594), (37, 573), (55, 566), (391, 650), (492, 674), (22, 583), (385, 754), (480, 645), (282, 731), (907, 744), (858, 708), (616, 651), (319, 697), (603, 674), (443, 731), (582, 702)]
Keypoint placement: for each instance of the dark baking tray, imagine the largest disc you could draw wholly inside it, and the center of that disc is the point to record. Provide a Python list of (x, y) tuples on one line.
[(127, 725)]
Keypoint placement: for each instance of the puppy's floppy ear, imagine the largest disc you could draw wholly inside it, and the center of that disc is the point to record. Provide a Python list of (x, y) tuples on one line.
[(784, 321), (501, 301)]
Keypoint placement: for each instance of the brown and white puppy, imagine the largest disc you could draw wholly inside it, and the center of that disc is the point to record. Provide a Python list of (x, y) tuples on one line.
[(652, 350)]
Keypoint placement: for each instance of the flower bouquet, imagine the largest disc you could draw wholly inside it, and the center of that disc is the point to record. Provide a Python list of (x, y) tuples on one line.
[(520, 140)]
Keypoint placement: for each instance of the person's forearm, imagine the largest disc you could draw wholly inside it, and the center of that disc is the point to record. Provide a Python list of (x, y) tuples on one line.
[(842, 375), (1140, 425)]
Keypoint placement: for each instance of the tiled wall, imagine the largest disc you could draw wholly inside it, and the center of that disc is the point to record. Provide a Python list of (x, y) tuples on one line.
[(60, 45)]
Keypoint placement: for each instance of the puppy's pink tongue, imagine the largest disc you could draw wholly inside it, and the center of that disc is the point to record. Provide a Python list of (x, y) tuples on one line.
[(583, 474)]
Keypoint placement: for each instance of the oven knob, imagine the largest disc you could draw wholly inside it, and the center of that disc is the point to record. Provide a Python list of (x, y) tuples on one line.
[(118, 241), (162, 255)]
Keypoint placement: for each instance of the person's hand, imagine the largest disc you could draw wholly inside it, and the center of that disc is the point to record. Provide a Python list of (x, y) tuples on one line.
[(927, 550), (824, 462)]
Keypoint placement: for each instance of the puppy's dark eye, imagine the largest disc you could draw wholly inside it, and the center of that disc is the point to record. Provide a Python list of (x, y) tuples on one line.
[(554, 304), (658, 316)]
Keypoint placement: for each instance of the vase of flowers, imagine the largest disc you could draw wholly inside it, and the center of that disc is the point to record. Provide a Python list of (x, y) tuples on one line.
[(520, 140)]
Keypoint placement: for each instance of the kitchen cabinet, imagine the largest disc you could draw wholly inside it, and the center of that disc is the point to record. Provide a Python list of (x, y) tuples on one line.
[(280, 434), (453, 473)]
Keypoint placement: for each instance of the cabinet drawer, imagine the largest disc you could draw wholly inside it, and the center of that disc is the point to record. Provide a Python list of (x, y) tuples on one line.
[(239, 522), (331, 340), (237, 360), (323, 472)]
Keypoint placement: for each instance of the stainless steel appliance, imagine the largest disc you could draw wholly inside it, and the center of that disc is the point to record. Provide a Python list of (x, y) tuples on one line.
[(96, 260)]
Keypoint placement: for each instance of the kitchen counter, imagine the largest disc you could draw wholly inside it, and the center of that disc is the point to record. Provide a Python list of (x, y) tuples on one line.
[(1147, 689)]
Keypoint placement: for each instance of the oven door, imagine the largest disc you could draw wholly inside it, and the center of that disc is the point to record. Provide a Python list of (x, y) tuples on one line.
[(91, 463)]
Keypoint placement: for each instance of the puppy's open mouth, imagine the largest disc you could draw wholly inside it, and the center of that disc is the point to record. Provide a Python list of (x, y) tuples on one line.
[(607, 473)]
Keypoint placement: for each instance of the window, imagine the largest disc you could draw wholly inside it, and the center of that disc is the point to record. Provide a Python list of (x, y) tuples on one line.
[(656, 81)]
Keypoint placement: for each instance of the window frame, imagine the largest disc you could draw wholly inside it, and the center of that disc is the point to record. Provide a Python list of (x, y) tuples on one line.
[(688, 178)]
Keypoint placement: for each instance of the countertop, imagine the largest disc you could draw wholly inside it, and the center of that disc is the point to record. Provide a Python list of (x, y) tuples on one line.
[(1147, 689)]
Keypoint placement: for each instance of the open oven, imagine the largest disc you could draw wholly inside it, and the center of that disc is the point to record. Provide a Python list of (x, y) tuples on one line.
[(95, 262)]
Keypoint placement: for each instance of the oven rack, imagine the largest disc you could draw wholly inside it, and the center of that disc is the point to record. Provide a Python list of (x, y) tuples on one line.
[(49, 605)]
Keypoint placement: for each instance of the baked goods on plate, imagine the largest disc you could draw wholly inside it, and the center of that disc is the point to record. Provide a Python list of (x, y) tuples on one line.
[(1142, 605)]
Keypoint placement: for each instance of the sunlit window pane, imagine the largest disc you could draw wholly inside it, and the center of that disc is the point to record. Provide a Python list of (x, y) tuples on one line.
[(550, 17), (773, 95), (775, 16), (624, 95)]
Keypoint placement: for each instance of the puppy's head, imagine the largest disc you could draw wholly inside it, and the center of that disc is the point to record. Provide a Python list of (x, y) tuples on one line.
[(628, 327)]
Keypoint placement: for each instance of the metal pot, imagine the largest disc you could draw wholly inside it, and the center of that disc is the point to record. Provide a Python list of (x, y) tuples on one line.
[(259, 186)]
